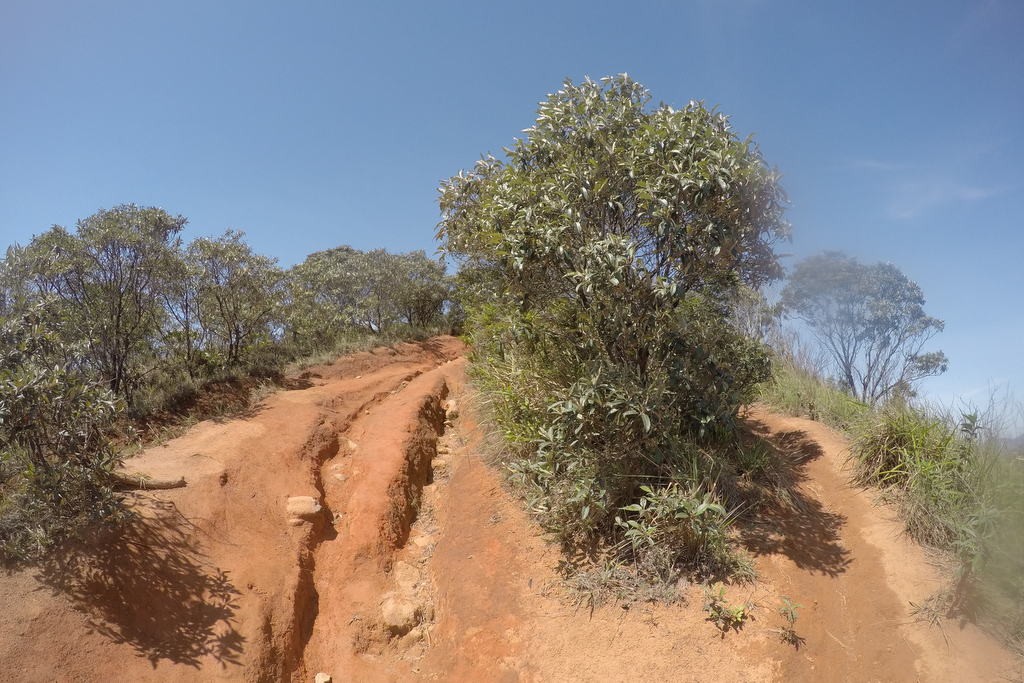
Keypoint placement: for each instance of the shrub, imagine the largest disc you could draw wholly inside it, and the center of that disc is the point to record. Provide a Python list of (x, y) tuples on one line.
[(671, 526), (55, 460), (598, 270)]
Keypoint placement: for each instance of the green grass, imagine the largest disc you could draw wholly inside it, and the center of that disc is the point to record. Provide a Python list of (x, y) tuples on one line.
[(959, 492), (799, 391)]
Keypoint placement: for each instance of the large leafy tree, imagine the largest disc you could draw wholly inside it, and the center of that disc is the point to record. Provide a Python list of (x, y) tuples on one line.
[(871, 321), (610, 220), (688, 205), (422, 289), (107, 278), (378, 280), (601, 256), (184, 336), (342, 288), (323, 292), (239, 291)]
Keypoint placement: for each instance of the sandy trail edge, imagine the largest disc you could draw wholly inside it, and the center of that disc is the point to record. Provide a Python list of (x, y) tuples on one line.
[(848, 561)]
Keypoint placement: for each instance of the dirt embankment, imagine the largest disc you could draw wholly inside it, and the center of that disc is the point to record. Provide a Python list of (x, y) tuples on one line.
[(351, 527)]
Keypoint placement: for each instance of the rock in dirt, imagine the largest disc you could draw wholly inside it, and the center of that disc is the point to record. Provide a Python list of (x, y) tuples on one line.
[(322, 678), (304, 507), (400, 615), (451, 409), (426, 612), (406, 576), (412, 637), (423, 541)]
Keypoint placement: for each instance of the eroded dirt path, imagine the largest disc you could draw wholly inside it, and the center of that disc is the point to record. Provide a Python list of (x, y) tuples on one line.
[(350, 526), (217, 580)]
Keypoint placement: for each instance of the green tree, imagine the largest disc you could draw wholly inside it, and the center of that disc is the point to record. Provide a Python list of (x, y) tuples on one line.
[(324, 296), (871, 321), (55, 460), (377, 280), (599, 262), (14, 282), (239, 291), (422, 288), (184, 337), (107, 277), (342, 288)]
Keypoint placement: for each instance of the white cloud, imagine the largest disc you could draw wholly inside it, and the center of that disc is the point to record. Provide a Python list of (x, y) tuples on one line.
[(916, 197), (915, 190)]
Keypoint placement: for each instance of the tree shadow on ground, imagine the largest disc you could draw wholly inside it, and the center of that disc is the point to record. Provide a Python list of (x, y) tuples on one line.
[(148, 585), (303, 381), (439, 349), (803, 531)]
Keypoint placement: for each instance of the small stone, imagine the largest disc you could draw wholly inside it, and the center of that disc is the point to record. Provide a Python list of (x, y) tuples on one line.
[(322, 678), (399, 615), (406, 576), (412, 637), (451, 409), (438, 464), (304, 507), (295, 521)]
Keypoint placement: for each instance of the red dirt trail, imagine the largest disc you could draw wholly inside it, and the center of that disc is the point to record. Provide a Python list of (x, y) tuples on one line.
[(350, 526)]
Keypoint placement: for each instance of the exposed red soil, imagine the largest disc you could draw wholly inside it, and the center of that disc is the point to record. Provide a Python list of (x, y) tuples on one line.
[(421, 566), (212, 581)]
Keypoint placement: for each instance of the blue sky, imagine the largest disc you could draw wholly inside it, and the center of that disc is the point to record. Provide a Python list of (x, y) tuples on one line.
[(897, 125)]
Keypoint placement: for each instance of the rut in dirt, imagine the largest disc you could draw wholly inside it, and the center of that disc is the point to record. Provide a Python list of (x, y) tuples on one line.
[(374, 488), (225, 584)]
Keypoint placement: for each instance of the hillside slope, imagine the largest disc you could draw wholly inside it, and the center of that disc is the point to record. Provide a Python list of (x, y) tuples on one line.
[(351, 526)]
